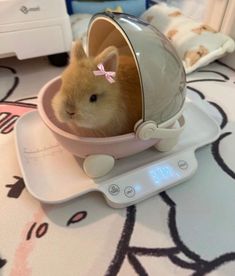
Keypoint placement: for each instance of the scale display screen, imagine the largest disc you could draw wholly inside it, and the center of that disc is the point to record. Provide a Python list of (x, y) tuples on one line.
[(163, 173)]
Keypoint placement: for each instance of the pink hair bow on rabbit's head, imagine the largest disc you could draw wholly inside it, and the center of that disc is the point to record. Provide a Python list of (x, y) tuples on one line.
[(109, 75)]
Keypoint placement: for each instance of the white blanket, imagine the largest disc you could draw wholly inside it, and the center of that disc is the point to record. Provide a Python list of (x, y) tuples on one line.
[(187, 230)]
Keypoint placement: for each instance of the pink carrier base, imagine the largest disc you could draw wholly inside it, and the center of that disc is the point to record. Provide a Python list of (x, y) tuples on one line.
[(117, 147)]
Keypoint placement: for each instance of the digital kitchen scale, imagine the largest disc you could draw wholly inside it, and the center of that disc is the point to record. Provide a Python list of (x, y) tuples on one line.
[(53, 175)]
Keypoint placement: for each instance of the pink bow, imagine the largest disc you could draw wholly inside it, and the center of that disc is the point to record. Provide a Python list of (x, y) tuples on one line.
[(108, 74)]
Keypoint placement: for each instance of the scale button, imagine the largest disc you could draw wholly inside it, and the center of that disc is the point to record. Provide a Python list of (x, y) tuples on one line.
[(129, 191), (114, 189), (183, 165)]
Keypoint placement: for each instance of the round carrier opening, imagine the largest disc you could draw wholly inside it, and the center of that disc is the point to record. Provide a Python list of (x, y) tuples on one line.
[(161, 73)]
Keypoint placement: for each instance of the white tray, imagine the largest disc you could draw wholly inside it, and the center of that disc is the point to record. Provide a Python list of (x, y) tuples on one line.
[(53, 175)]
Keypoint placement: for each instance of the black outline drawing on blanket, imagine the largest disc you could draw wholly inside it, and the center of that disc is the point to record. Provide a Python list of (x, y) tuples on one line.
[(36, 229), (7, 122), (2, 262), (78, 216), (15, 83), (217, 156), (42, 229), (27, 243), (10, 112), (17, 188), (197, 264), (8, 116), (39, 232)]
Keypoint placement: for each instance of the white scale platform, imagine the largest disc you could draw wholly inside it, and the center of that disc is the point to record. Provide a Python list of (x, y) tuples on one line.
[(53, 175)]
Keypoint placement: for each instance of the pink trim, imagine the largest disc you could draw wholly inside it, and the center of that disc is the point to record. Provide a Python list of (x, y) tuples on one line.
[(25, 248)]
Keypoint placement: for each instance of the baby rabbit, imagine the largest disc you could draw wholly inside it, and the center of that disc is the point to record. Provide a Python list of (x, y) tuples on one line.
[(96, 104)]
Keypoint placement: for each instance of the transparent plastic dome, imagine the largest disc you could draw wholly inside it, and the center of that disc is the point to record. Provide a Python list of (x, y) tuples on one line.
[(161, 72)]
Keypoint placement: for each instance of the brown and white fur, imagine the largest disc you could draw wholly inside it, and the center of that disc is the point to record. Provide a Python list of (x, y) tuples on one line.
[(118, 106)]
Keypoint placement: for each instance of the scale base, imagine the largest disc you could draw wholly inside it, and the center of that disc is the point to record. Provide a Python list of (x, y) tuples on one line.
[(53, 175)]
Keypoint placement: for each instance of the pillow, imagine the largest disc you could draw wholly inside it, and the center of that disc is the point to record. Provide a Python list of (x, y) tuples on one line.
[(134, 7), (197, 44)]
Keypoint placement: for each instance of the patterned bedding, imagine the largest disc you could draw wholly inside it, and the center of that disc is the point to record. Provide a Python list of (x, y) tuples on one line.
[(187, 230)]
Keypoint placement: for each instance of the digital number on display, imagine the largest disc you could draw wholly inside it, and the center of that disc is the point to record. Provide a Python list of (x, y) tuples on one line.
[(163, 173)]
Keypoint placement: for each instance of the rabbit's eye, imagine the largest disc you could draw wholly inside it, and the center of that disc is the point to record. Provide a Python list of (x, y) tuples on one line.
[(93, 98)]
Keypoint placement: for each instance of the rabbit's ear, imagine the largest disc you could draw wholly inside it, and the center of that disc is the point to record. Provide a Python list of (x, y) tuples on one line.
[(78, 51), (109, 58)]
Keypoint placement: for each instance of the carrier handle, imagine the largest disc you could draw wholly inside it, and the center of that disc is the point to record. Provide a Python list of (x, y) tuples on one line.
[(149, 130)]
